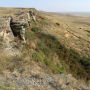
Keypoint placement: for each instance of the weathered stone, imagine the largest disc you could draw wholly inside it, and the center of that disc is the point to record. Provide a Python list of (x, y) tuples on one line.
[(14, 28), (23, 34)]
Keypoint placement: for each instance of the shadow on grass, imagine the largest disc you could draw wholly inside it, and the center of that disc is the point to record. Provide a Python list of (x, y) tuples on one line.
[(78, 66)]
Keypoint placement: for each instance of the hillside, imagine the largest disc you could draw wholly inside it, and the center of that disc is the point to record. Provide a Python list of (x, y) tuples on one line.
[(36, 46)]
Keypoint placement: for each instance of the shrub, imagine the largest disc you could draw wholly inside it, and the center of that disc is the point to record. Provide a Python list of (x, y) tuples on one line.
[(88, 31), (36, 29), (11, 62), (1, 42), (8, 86), (58, 24)]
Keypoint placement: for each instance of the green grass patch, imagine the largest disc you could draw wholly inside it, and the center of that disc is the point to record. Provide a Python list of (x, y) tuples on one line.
[(8, 86)]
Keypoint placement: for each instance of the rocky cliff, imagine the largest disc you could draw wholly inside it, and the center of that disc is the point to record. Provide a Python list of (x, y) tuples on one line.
[(13, 30)]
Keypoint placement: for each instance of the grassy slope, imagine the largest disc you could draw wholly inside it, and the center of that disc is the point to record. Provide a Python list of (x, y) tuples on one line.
[(54, 54), (47, 45)]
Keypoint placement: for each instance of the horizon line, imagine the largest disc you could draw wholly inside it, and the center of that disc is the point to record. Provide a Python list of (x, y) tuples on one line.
[(45, 10)]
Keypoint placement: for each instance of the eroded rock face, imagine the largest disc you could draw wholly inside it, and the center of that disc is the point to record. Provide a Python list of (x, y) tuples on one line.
[(18, 29), (14, 28), (6, 32), (32, 15)]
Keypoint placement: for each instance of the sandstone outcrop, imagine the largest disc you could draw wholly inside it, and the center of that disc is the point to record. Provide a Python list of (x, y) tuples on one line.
[(15, 27)]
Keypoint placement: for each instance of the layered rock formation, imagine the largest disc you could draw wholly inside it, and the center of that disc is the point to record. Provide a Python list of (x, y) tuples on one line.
[(13, 31)]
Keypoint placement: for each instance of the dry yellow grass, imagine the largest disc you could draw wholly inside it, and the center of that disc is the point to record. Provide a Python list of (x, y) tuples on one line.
[(59, 41)]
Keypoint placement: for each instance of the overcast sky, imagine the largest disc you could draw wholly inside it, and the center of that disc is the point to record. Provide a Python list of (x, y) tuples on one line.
[(50, 5)]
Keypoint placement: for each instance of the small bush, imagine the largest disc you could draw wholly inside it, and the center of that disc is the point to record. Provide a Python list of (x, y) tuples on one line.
[(87, 31), (36, 29), (58, 24), (8, 86), (11, 63), (1, 42), (30, 35)]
